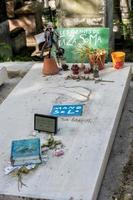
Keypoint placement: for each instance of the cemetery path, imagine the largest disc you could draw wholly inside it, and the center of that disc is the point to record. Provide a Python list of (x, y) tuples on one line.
[(118, 180)]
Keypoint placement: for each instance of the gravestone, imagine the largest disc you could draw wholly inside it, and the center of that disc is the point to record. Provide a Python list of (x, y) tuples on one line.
[(76, 13), (18, 39), (96, 13), (73, 38)]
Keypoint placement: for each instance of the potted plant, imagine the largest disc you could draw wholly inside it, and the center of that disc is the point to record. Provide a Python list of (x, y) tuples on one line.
[(81, 51), (95, 56), (49, 66)]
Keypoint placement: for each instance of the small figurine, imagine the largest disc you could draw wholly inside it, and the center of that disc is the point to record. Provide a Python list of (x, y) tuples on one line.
[(49, 40), (52, 38)]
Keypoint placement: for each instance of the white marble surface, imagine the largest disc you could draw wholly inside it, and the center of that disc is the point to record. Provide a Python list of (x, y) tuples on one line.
[(3, 75), (17, 66), (88, 142)]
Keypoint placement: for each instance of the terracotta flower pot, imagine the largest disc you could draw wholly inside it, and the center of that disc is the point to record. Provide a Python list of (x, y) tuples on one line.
[(50, 67)]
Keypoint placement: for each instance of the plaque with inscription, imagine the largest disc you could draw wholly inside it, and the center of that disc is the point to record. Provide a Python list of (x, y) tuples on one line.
[(46, 123), (72, 38), (67, 110)]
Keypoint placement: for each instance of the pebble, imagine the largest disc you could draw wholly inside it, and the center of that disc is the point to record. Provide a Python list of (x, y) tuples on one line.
[(59, 152)]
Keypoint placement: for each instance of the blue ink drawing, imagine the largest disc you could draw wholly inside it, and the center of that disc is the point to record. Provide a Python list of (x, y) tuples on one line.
[(67, 110), (27, 151)]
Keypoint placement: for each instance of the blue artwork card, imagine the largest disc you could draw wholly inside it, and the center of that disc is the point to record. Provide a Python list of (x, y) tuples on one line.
[(67, 110), (27, 151)]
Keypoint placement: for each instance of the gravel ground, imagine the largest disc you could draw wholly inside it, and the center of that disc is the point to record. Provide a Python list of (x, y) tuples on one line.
[(118, 180)]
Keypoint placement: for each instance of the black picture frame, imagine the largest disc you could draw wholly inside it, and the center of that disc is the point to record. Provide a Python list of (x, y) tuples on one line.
[(45, 123)]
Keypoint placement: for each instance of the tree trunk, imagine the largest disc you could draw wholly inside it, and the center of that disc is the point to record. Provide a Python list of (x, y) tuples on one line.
[(126, 20)]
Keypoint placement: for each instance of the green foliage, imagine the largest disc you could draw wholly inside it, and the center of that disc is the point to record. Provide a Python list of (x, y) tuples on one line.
[(21, 58), (125, 29), (50, 15), (85, 51), (5, 52), (4, 58), (81, 52), (125, 26), (5, 45)]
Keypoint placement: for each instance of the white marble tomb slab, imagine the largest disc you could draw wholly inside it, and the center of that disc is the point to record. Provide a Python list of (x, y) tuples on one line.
[(88, 139), (3, 75)]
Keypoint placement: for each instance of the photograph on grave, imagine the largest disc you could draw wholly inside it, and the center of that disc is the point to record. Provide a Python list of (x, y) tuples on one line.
[(45, 123)]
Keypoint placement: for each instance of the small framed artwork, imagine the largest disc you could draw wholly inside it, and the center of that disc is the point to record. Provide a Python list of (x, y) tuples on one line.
[(46, 123), (26, 151)]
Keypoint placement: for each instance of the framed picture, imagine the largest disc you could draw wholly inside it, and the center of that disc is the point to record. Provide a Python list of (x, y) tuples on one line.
[(26, 151), (46, 123)]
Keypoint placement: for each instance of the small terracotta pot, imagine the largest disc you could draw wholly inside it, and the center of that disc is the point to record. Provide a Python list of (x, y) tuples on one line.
[(50, 67)]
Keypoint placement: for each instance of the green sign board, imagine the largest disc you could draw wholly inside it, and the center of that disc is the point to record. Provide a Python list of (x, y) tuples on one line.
[(73, 38)]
